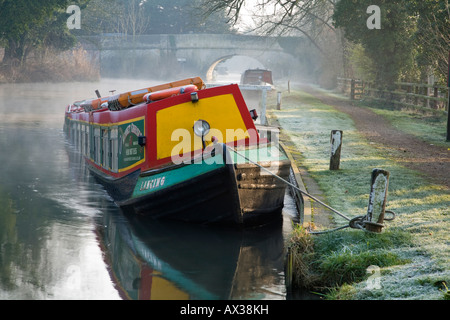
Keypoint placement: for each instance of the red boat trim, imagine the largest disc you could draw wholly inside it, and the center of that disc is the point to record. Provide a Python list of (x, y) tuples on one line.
[(148, 113)]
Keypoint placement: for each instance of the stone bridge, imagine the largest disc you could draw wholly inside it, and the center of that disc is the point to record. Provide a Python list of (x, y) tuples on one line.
[(168, 56)]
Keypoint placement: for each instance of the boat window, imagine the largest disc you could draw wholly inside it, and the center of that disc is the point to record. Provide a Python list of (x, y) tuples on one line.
[(114, 149), (97, 145), (78, 136), (73, 134), (105, 149), (87, 142), (82, 136), (110, 159)]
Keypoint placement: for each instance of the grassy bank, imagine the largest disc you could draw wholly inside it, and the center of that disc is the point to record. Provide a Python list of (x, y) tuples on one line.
[(426, 124), (411, 256)]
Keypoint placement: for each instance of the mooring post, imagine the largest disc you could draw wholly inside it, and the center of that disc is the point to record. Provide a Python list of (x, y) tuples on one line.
[(289, 265), (263, 106), (279, 100), (336, 146), (377, 200), (448, 98)]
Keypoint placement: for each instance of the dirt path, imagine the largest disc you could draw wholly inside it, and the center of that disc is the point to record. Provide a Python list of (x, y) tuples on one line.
[(433, 161)]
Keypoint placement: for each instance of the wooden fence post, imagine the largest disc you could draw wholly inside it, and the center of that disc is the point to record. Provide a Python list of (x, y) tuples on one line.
[(425, 100), (352, 89), (416, 92), (409, 91), (436, 95), (377, 200), (336, 146)]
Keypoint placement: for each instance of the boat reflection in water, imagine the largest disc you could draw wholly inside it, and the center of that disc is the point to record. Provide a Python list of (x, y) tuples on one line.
[(162, 260)]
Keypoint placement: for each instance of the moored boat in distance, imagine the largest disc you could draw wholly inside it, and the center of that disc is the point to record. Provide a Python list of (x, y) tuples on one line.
[(182, 151)]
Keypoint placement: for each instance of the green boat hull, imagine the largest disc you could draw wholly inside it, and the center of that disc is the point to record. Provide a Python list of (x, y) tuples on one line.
[(224, 188)]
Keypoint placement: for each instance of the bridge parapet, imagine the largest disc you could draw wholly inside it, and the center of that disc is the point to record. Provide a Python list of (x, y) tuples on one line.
[(187, 41), (169, 55)]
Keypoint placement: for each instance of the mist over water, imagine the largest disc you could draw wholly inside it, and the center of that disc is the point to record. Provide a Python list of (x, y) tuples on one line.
[(47, 246), (60, 231)]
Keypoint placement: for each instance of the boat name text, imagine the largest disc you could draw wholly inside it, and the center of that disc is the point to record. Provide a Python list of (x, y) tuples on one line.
[(152, 184)]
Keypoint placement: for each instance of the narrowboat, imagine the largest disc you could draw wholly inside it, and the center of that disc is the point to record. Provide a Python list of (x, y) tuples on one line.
[(182, 151)]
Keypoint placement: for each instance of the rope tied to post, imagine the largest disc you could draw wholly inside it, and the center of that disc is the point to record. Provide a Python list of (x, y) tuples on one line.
[(359, 222)]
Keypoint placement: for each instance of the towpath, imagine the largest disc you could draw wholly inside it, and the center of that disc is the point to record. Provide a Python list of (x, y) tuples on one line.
[(431, 160)]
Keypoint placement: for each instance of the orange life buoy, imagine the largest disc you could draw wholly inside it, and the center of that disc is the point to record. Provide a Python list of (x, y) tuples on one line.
[(131, 98), (167, 93)]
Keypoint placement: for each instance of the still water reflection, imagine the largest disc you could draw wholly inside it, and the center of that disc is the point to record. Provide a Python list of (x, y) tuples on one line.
[(61, 237), (155, 260)]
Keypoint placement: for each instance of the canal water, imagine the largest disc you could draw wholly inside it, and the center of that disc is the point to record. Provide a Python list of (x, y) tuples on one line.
[(61, 236)]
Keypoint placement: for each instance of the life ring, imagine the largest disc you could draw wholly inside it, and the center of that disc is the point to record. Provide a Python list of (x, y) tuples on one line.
[(132, 98), (167, 93)]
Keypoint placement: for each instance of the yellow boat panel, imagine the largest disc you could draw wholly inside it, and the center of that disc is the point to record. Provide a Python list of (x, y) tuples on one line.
[(221, 112)]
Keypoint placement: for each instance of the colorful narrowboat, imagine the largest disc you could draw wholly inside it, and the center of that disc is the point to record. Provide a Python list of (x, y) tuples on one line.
[(182, 151)]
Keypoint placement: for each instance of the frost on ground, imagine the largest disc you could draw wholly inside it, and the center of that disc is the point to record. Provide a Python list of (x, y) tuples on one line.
[(422, 206), (419, 280)]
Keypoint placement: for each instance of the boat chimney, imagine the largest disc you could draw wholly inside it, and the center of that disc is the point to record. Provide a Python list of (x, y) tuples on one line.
[(194, 96)]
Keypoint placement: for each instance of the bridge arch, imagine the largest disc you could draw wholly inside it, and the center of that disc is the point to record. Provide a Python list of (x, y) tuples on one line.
[(210, 71), (212, 67)]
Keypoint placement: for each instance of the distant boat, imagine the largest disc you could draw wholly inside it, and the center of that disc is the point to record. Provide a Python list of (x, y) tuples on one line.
[(256, 77), (183, 152)]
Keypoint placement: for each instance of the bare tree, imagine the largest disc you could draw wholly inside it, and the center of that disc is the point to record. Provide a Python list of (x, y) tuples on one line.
[(311, 18), (437, 41), (132, 18)]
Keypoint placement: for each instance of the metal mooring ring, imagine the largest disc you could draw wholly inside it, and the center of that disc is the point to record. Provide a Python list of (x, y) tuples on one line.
[(391, 218), (357, 222)]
